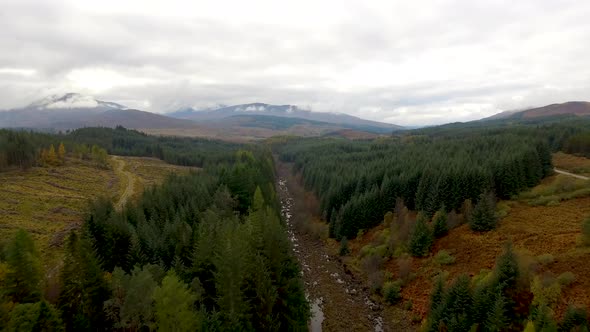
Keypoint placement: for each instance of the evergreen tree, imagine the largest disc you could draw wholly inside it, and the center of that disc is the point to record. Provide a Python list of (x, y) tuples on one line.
[(173, 304), (574, 317), (497, 320), (40, 316), (131, 306), (440, 226), (458, 305), (83, 288), (231, 263), (344, 250), (506, 271), (22, 281), (483, 217), (421, 238)]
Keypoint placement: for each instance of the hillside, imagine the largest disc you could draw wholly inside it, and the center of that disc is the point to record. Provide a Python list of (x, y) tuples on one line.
[(572, 108), (50, 201)]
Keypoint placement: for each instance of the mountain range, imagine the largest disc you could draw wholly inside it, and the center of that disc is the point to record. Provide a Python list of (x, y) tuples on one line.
[(238, 122), (73, 110), (257, 110), (251, 121)]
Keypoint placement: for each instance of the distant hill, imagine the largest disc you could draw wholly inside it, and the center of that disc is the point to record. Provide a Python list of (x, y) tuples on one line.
[(574, 108), (283, 111), (73, 110), (236, 123)]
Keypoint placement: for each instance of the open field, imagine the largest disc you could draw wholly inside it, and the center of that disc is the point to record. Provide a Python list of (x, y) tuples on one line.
[(48, 202)]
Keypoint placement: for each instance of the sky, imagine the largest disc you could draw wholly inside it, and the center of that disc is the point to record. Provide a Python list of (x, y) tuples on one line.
[(404, 62)]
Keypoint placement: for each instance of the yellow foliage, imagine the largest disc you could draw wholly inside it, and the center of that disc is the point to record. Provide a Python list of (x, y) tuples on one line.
[(546, 292), (530, 327), (61, 152)]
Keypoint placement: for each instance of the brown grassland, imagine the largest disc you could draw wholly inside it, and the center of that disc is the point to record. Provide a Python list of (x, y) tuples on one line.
[(571, 163), (550, 228)]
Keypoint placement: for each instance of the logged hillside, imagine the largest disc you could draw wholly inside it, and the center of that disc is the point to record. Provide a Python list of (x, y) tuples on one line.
[(52, 200)]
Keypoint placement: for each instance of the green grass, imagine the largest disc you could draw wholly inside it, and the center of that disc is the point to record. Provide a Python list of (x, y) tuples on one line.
[(562, 188)]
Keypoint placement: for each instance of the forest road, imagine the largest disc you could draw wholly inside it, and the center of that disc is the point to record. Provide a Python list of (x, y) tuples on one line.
[(129, 188), (571, 174)]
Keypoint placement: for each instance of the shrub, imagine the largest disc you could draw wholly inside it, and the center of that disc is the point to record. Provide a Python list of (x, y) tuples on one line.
[(574, 317), (546, 291), (404, 265), (344, 250), (545, 259), (566, 278), (409, 305), (444, 258), (392, 291)]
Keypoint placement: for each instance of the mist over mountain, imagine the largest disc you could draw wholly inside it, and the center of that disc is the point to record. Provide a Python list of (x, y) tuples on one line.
[(284, 111), (73, 110)]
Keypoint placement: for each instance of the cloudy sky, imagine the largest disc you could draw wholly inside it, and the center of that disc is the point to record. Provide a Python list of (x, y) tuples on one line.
[(405, 62)]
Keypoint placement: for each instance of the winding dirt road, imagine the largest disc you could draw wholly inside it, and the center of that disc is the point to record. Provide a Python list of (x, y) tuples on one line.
[(129, 188)]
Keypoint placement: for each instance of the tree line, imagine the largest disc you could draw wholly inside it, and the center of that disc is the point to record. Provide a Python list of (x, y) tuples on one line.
[(357, 182), (25, 149)]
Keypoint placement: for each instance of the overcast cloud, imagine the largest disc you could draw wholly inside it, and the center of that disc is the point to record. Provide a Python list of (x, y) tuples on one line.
[(405, 62)]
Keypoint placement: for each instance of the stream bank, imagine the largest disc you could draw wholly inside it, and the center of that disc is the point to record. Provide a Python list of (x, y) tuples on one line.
[(339, 301)]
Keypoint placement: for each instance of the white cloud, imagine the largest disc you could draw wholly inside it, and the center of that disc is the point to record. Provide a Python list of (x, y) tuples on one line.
[(18, 71), (410, 62)]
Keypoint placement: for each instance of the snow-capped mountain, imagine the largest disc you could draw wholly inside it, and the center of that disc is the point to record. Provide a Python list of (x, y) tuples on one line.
[(281, 111), (73, 110), (73, 101)]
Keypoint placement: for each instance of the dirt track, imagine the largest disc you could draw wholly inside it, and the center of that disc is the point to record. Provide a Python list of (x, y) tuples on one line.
[(129, 188), (571, 174)]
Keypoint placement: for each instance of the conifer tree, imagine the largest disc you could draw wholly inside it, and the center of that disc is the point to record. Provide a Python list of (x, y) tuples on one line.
[(22, 281), (83, 288), (440, 226), (421, 238), (483, 218), (173, 305), (40, 316)]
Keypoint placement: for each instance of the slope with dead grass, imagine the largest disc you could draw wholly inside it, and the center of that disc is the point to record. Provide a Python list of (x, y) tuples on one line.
[(544, 225), (48, 202)]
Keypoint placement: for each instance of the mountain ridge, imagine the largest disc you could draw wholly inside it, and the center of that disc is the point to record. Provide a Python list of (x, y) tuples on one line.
[(287, 111), (575, 108)]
